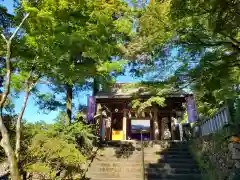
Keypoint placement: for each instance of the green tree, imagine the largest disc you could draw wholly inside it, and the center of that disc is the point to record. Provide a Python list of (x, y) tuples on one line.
[(208, 34), (74, 38), (202, 40), (83, 38)]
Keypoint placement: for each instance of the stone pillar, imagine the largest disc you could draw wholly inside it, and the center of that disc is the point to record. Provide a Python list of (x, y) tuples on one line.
[(124, 125), (155, 124)]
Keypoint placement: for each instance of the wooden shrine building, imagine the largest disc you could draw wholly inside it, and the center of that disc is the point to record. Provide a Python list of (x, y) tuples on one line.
[(117, 120)]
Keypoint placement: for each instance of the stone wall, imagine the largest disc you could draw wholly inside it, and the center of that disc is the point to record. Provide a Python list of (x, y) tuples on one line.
[(214, 155)]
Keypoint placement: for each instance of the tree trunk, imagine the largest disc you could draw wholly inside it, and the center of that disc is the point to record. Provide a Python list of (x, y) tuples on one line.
[(69, 103), (18, 126), (95, 86), (5, 143)]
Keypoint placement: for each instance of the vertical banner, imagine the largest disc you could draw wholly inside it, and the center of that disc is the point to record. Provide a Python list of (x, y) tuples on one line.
[(91, 109), (191, 109)]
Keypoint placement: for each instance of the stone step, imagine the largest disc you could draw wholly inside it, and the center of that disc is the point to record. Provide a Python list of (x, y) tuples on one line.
[(174, 152), (193, 176), (139, 153), (152, 169), (138, 146), (146, 155), (172, 161), (167, 178), (162, 161), (172, 165), (148, 149), (171, 151), (170, 170), (177, 154), (149, 170), (165, 159), (147, 165), (177, 149), (150, 177), (174, 157)]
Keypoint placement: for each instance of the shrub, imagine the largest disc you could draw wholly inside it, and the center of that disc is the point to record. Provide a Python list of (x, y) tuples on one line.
[(57, 148)]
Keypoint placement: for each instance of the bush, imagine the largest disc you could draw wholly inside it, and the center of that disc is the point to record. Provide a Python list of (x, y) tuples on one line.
[(57, 148), (213, 155)]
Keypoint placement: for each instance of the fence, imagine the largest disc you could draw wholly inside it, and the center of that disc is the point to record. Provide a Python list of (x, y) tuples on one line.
[(215, 123)]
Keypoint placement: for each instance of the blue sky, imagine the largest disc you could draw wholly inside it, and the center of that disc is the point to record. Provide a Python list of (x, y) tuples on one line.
[(33, 113), (8, 4)]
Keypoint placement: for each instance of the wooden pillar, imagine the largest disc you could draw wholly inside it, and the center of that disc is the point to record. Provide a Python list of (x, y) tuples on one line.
[(155, 124), (98, 122), (124, 125), (162, 127)]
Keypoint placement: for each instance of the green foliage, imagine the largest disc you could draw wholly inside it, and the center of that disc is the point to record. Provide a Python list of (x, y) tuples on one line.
[(158, 91), (212, 155), (198, 41), (83, 36), (108, 66), (57, 147), (70, 42), (42, 169), (137, 104), (6, 21), (237, 111), (155, 28), (47, 101), (207, 37), (185, 118)]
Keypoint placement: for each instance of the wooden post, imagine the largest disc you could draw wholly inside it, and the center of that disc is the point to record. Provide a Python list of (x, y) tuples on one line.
[(162, 127), (124, 124), (155, 124)]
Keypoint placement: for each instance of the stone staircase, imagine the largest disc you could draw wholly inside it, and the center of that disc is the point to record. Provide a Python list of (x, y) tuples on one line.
[(163, 160)]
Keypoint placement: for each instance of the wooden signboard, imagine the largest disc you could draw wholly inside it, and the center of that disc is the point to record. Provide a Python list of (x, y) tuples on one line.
[(117, 135)]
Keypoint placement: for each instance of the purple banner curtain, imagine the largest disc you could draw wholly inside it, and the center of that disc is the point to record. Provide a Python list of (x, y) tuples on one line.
[(191, 109), (91, 109)]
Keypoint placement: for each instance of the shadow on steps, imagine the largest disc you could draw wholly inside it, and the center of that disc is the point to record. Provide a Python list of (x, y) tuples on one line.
[(174, 163), (163, 161)]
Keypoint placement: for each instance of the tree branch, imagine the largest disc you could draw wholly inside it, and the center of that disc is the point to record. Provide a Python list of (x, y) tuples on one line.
[(235, 42), (8, 63), (30, 84), (5, 39), (20, 25), (20, 115)]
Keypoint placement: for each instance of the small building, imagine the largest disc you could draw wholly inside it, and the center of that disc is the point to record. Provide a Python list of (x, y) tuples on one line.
[(118, 120)]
